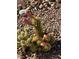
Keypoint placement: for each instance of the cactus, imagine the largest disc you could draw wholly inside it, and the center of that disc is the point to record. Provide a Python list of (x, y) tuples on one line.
[(37, 41)]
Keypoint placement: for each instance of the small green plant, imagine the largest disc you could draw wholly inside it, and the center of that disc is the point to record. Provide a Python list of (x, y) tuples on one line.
[(31, 35)]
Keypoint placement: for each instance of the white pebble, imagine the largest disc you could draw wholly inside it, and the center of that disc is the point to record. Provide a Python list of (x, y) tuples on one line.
[(41, 6), (52, 4), (23, 11), (46, 0)]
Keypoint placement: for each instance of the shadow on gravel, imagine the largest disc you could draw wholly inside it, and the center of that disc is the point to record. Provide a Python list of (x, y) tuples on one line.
[(54, 53)]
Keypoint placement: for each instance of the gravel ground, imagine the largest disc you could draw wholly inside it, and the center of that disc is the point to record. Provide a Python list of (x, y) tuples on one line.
[(49, 12)]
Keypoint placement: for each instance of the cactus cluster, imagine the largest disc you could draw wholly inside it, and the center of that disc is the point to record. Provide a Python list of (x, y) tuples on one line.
[(31, 35)]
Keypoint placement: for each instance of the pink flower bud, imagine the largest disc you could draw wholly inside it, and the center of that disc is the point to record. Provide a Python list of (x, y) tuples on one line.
[(24, 21), (28, 14), (43, 44)]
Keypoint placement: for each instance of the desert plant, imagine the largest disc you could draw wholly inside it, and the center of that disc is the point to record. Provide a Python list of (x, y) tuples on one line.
[(31, 35)]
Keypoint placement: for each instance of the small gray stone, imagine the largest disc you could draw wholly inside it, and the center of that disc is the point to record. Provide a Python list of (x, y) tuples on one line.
[(41, 6)]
